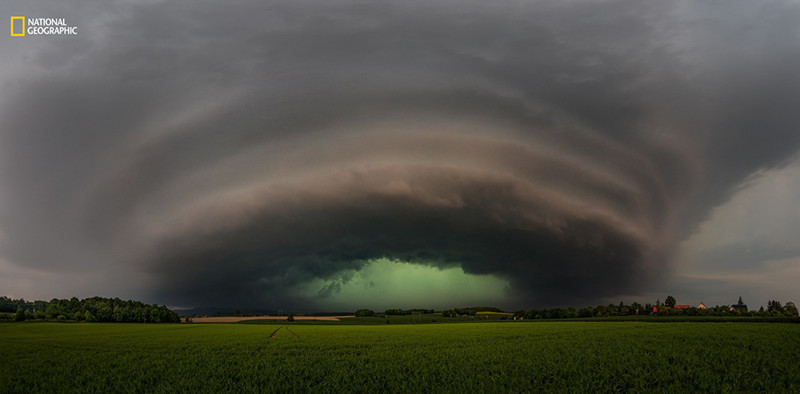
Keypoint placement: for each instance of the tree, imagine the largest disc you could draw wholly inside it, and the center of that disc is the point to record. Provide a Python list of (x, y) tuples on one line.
[(52, 309), (20, 315), (790, 309), (774, 306), (364, 313), (116, 314), (670, 302), (290, 317), (601, 310), (586, 312), (104, 313), (89, 317)]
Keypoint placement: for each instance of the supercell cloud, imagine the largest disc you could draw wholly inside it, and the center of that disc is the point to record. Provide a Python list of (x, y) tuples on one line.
[(222, 155)]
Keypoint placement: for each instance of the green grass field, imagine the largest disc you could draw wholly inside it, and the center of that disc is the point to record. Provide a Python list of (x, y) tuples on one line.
[(500, 356)]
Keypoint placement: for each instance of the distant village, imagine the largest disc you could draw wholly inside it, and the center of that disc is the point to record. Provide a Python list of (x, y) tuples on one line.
[(739, 306)]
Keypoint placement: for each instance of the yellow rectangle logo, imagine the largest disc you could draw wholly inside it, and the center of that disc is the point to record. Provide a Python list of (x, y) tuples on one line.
[(21, 31)]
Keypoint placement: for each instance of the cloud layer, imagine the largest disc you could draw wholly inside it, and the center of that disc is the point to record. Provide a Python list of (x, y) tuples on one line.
[(225, 154)]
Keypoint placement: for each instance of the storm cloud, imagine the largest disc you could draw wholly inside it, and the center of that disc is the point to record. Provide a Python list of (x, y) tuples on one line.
[(223, 154)]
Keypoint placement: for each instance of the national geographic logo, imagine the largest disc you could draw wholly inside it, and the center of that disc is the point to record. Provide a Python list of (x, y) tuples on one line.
[(22, 26), (17, 26)]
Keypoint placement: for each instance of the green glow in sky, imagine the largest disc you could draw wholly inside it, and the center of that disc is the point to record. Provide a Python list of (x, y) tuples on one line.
[(384, 284)]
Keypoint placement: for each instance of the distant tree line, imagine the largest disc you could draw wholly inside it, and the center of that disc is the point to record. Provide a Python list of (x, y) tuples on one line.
[(774, 309), (395, 312), (468, 311), (667, 308), (236, 313), (95, 309), (446, 313)]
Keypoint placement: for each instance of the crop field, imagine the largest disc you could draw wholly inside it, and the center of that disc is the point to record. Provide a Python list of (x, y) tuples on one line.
[(494, 356)]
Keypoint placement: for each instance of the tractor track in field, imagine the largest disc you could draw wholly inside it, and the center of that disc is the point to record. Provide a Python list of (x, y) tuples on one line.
[(275, 333)]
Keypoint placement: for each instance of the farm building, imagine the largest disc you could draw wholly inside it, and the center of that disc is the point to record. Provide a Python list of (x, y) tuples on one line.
[(681, 306), (739, 306), (702, 306)]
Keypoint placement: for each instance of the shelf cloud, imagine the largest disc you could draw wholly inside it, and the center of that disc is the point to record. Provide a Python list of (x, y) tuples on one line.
[(223, 155)]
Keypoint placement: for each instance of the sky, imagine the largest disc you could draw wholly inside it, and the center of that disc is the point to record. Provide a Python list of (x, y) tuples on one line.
[(332, 155)]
